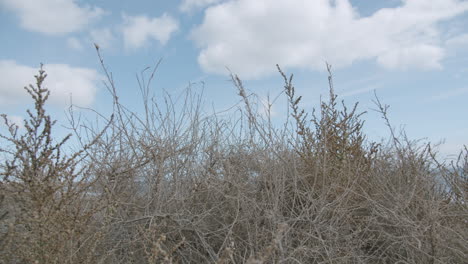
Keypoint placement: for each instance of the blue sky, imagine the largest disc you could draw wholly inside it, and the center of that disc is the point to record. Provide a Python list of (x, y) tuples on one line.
[(413, 53)]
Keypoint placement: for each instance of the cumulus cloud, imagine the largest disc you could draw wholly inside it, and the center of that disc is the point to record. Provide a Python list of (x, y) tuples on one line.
[(422, 56), (250, 37), (52, 16), (63, 81), (190, 5), (138, 30)]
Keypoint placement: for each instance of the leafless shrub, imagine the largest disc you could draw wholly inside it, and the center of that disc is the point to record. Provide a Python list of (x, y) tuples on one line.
[(44, 190), (177, 185)]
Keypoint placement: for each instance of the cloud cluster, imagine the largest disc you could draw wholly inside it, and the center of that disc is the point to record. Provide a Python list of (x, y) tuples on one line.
[(63, 81), (52, 16), (250, 37), (138, 30)]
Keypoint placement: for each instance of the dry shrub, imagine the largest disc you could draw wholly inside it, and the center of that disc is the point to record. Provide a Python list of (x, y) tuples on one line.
[(177, 185), (44, 190)]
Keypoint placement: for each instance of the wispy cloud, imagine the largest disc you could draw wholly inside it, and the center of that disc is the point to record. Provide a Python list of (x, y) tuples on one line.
[(447, 94), (460, 40), (52, 16), (250, 37), (65, 82), (267, 107), (449, 149), (366, 89), (138, 30), (191, 5), (15, 119), (74, 43), (104, 37)]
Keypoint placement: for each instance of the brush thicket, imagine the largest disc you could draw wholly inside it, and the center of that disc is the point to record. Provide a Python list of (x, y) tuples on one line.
[(175, 185)]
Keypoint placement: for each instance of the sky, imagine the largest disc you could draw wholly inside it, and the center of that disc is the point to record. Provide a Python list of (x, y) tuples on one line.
[(412, 53)]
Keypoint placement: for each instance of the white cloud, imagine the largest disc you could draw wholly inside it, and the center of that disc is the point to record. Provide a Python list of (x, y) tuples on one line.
[(448, 94), (250, 37), (450, 149), (190, 5), (52, 16), (17, 120), (358, 91), (138, 30), (422, 56), (103, 37), (267, 107), (460, 40), (63, 81), (74, 43)]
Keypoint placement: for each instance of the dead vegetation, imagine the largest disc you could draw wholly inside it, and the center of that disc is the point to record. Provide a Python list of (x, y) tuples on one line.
[(174, 185)]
